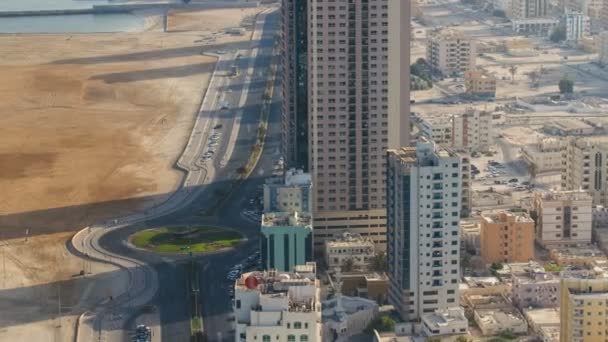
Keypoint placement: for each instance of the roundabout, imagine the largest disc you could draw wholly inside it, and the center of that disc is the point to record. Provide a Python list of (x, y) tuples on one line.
[(186, 239)]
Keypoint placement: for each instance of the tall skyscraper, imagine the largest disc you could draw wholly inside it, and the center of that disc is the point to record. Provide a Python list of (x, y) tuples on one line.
[(294, 62), (423, 211), (348, 110)]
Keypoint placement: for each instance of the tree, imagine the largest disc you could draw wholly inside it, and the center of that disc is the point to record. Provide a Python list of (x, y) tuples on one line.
[(379, 263), (462, 339), (558, 34), (566, 86), (381, 324), (496, 266), (347, 265), (513, 71), (534, 77)]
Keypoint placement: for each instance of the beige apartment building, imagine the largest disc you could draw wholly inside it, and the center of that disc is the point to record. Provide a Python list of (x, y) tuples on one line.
[(585, 168), (525, 9), (348, 99), (564, 218), (479, 83), (583, 298), (544, 156), (506, 237), (472, 131), (450, 51)]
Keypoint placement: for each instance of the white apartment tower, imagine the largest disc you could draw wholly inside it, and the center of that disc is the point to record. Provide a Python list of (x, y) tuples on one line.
[(450, 51), (472, 131), (423, 211), (578, 26), (348, 114), (278, 306), (585, 162)]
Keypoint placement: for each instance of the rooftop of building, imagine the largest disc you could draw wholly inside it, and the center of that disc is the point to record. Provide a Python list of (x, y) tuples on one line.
[(580, 252), (286, 219), (481, 282), (297, 177), (348, 306), (470, 224), (555, 195), (442, 318), (569, 123), (543, 316), (390, 337), (348, 239), (505, 317), (487, 301), (504, 216), (595, 141), (550, 333), (478, 74), (535, 21), (445, 33)]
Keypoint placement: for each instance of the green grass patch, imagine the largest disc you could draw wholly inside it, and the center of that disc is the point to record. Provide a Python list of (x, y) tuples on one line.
[(185, 239)]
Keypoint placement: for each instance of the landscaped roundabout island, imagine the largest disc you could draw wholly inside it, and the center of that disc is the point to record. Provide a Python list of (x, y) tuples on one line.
[(186, 239)]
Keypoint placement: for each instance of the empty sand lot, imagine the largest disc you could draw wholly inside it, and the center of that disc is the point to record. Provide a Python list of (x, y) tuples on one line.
[(90, 128)]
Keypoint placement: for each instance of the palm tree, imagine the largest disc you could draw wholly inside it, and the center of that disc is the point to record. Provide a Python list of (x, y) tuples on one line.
[(513, 70)]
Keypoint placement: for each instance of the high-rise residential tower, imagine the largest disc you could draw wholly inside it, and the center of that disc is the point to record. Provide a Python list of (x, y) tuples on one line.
[(423, 211), (348, 110), (294, 53)]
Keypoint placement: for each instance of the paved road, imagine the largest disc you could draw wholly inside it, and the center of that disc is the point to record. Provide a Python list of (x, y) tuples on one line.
[(243, 96)]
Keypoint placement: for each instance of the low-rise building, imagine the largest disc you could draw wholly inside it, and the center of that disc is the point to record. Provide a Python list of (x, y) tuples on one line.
[(534, 288), (568, 127), (478, 83), (470, 230), (495, 321), (287, 240), (289, 193), (544, 156), (349, 249), (450, 51), (581, 256), (278, 306), (372, 286), (472, 131), (451, 321), (544, 322), (524, 9), (483, 286), (344, 317), (435, 128), (534, 26), (563, 218), (506, 237)]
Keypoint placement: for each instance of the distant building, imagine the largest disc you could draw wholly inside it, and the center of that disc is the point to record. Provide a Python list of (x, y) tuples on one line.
[(583, 306), (506, 237), (525, 9), (479, 84), (585, 167), (278, 306), (563, 218), (534, 26), (578, 26), (423, 210), (545, 322), (349, 246), (603, 47), (495, 321), (289, 193), (287, 240), (580, 256), (470, 230), (472, 131), (437, 128), (534, 288), (544, 156), (372, 286), (450, 52), (568, 127), (450, 321)]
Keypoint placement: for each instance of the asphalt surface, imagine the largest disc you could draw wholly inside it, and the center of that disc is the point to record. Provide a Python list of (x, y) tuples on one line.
[(172, 298)]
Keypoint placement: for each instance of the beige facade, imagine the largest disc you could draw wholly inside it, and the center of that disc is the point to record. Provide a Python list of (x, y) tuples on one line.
[(583, 317), (564, 218), (348, 92), (351, 247), (581, 256), (506, 237), (472, 131), (585, 168), (479, 83), (534, 288), (524, 9), (449, 51), (544, 156)]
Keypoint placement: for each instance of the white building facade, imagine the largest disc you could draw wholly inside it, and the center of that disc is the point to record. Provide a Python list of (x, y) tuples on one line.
[(278, 306), (349, 246), (291, 193), (472, 131), (424, 200), (585, 163), (578, 25)]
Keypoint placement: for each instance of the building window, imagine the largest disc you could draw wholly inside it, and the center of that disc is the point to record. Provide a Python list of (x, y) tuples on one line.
[(266, 338), (303, 338), (291, 338), (297, 325)]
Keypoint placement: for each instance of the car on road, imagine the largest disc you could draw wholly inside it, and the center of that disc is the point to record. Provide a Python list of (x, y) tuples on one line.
[(218, 126)]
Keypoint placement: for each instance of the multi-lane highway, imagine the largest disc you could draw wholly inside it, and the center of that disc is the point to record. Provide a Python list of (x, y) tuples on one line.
[(230, 110)]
